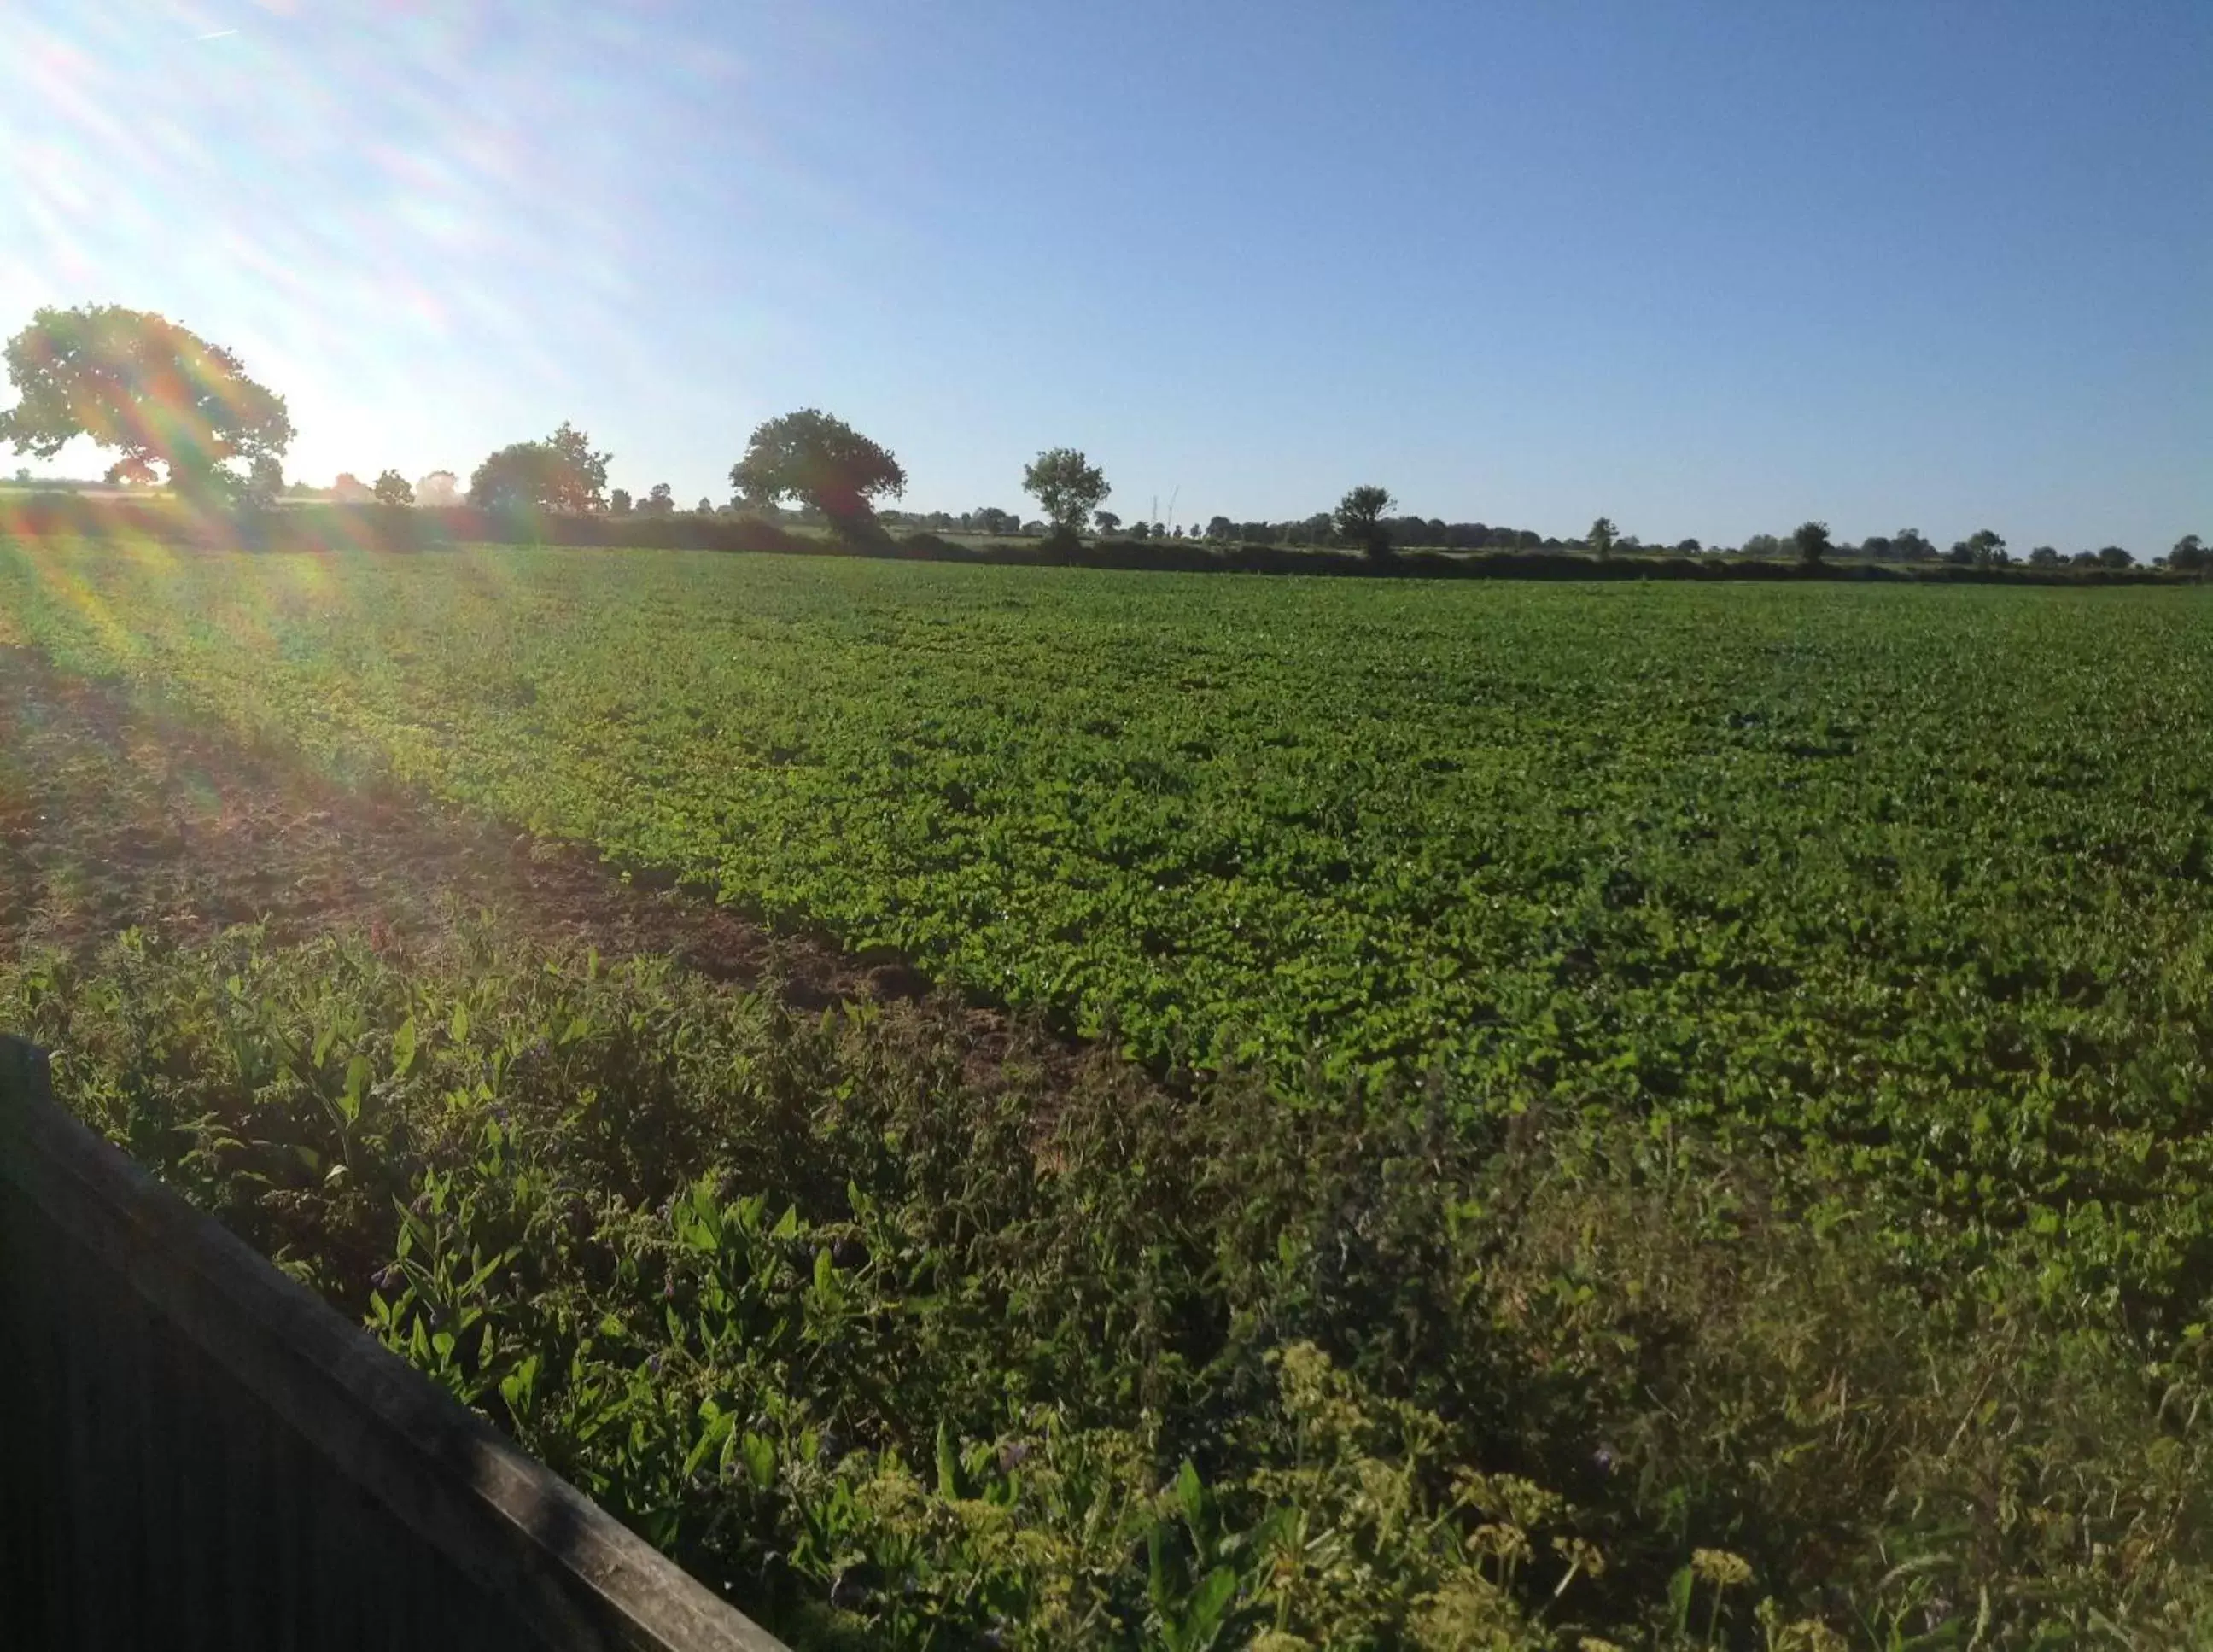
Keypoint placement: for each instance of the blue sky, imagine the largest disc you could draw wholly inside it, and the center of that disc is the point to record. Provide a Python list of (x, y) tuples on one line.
[(1708, 269)]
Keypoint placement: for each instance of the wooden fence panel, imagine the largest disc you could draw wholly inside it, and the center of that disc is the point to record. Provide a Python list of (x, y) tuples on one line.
[(197, 1452)]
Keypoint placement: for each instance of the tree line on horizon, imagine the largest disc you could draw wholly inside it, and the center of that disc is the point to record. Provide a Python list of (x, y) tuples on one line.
[(162, 396)]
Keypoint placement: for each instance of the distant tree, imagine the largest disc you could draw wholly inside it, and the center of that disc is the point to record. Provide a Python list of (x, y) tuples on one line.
[(1601, 537), (1913, 546), (1033, 529), (660, 500), (392, 488), (1221, 527), (139, 383), (1878, 548), (1811, 541), (1141, 530), (265, 482), (1069, 487), (1106, 521), (438, 490), (1688, 547), (579, 474), (1160, 530), (560, 473), (618, 501), (2044, 556), (1763, 546), (2190, 555), (2113, 556), (1359, 518), (822, 462), (1982, 549), (131, 472), (350, 489), (1178, 530), (705, 507)]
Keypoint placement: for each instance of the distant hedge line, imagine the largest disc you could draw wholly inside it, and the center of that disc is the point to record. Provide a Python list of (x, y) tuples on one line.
[(399, 528)]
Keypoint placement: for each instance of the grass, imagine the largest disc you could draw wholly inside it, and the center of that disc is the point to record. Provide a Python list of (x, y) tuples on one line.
[(1662, 1068)]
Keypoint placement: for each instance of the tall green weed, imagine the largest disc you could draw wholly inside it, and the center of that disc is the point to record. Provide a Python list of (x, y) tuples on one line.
[(902, 1353)]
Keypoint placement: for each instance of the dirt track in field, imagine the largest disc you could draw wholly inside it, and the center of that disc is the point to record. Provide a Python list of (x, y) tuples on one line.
[(112, 816)]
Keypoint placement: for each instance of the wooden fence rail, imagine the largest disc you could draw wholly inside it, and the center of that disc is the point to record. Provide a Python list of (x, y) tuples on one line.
[(196, 1451)]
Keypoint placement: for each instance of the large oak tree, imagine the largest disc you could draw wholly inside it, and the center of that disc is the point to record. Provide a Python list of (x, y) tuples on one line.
[(823, 461), (157, 392), (1067, 486), (1359, 518), (560, 473)]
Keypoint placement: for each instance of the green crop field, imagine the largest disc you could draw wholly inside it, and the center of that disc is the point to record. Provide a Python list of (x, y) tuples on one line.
[(1850, 950)]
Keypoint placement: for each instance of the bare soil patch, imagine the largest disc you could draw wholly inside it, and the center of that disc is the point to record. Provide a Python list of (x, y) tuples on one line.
[(114, 816)]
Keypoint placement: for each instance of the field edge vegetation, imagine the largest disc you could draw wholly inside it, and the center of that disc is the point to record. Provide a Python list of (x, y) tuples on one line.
[(899, 1359)]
